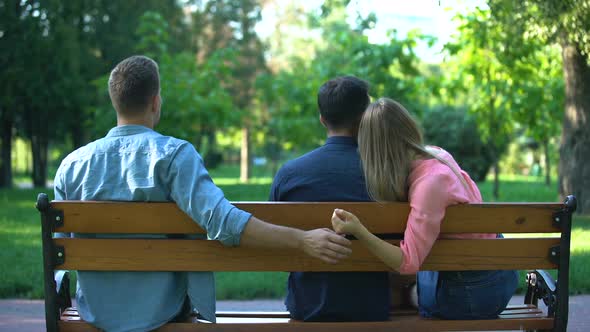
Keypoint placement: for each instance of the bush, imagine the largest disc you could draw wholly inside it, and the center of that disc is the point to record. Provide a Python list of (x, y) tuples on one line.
[(455, 131)]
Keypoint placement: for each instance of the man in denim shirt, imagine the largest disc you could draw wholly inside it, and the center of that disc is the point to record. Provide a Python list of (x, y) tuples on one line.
[(135, 163)]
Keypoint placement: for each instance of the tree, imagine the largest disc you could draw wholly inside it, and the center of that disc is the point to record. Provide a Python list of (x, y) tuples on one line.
[(52, 51), (460, 136), (539, 95), (289, 94), (18, 34), (479, 72), (194, 98), (230, 24), (27, 67), (566, 23)]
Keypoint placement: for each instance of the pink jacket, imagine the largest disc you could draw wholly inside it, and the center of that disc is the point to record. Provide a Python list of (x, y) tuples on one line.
[(432, 187)]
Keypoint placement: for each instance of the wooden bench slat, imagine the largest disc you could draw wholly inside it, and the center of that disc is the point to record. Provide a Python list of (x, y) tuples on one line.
[(520, 306), (279, 321), (202, 255), (153, 218), (510, 310), (402, 324), (412, 323), (253, 314), (522, 311), (523, 315)]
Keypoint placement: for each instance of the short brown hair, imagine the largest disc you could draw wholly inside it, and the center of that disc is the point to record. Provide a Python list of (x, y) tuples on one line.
[(343, 100), (133, 82)]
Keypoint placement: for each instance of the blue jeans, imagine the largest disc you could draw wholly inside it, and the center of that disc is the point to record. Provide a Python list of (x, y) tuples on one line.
[(465, 294)]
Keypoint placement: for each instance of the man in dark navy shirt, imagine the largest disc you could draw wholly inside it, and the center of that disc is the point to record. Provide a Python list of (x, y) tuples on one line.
[(333, 173)]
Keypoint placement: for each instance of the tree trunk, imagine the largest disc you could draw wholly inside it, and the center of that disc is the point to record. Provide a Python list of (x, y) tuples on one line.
[(39, 150), (496, 191), (6, 154), (39, 135), (547, 162), (245, 155), (29, 161), (77, 132), (574, 159)]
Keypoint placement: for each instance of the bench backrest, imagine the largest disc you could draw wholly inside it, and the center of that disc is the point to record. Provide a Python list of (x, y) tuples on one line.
[(543, 242), (175, 253)]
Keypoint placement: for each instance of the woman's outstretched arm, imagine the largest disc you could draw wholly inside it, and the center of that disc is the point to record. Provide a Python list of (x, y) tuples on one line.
[(345, 222)]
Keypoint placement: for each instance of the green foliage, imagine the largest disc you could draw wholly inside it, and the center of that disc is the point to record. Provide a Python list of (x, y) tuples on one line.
[(563, 21), (539, 92), (510, 81), (456, 131), (289, 95), (52, 52), (533, 64), (193, 94), (478, 72), (152, 33), (291, 117)]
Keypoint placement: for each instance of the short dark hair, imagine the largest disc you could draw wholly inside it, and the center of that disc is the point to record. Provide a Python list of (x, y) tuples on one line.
[(133, 82), (343, 100)]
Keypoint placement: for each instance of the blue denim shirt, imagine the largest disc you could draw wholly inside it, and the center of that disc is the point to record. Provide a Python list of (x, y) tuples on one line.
[(135, 163)]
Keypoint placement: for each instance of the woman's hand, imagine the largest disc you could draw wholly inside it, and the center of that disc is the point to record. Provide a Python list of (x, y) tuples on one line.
[(345, 222)]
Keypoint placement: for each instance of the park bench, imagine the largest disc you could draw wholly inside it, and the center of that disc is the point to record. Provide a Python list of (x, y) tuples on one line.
[(176, 253)]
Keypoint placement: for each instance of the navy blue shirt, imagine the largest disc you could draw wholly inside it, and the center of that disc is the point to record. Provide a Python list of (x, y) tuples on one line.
[(331, 173)]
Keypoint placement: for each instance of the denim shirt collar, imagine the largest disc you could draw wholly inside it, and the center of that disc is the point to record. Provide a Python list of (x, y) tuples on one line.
[(127, 130), (344, 140)]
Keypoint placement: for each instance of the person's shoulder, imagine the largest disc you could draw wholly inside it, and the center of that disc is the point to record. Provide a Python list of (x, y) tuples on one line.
[(432, 170), (171, 145), (300, 163), (440, 153), (170, 140), (81, 153)]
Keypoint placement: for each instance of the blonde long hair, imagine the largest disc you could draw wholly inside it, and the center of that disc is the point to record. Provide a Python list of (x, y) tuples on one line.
[(389, 140)]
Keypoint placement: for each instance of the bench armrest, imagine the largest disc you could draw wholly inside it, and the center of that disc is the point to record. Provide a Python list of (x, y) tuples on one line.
[(540, 285), (62, 283)]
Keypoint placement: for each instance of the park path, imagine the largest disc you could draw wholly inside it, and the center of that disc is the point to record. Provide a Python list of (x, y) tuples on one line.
[(28, 315)]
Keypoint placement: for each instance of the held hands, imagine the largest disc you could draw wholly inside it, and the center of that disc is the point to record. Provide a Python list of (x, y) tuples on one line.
[(345, 222), (326, 245), (330, 246)]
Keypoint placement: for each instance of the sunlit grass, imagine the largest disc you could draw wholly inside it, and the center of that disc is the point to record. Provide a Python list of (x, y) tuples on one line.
[(520, 189), (231, 181)]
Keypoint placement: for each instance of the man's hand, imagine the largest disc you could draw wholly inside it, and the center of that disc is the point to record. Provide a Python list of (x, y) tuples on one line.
[(326, 245), (345, 222)]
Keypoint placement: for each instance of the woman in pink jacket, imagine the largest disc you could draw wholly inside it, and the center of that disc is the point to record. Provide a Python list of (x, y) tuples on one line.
[(399, 167)]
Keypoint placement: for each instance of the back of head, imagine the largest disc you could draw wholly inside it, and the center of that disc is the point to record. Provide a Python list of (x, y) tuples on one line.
[(342, 101), (133, 84), (389, 139)]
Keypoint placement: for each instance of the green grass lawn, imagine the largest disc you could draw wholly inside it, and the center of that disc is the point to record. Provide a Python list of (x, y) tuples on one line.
[(514, 188), (20, 244)]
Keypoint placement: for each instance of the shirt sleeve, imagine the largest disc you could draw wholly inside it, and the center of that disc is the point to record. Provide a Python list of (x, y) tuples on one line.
[(194, 192), (59, 194), (429, 197)]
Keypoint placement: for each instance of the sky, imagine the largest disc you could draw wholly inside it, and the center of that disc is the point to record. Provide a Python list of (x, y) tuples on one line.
[(432, 17)]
